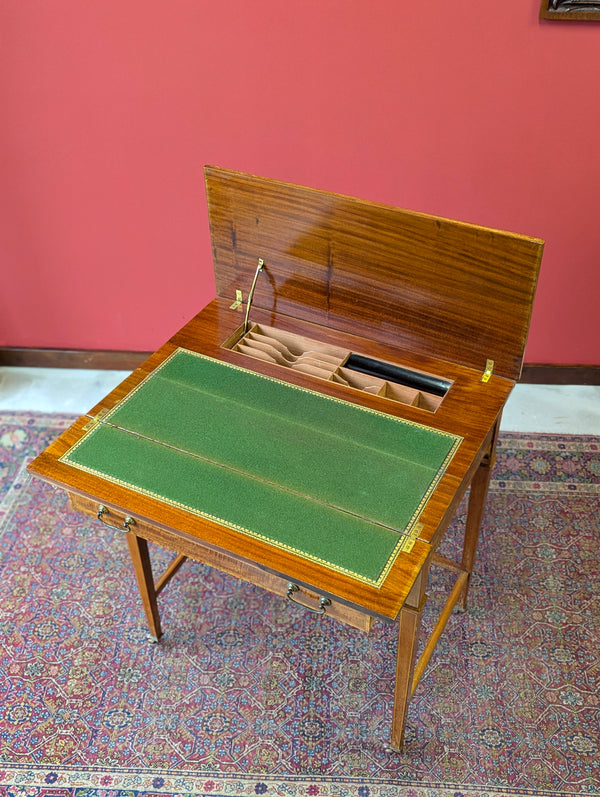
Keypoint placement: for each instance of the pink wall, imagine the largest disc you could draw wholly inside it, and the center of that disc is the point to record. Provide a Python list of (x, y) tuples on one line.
[(109, 111)]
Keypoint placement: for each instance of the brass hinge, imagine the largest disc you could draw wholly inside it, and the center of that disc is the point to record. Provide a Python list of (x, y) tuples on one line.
[(239, 298), (93, 422), (412, 537), (489, 368)]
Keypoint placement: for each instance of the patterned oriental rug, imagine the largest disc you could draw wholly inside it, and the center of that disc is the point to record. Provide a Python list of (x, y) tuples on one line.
[(248, 695)]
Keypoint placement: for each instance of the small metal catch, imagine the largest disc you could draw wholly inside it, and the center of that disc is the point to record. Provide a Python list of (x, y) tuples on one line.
[(489, 369), (239, 298)]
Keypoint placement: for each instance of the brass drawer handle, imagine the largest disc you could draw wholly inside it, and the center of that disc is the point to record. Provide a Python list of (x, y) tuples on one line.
[(102, 510), (323, 602)]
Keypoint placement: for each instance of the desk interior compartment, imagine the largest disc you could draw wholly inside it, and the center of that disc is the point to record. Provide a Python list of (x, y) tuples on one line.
[(336, 364)]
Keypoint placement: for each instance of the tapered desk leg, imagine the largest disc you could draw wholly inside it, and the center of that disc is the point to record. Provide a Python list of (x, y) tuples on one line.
[(476, 504), (408, 640), (140, 557)]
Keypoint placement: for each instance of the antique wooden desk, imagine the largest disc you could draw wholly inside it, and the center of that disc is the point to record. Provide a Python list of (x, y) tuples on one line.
[(314, 429)]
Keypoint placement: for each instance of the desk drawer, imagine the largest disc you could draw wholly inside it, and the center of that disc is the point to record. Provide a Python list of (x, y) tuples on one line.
[(223, 561)]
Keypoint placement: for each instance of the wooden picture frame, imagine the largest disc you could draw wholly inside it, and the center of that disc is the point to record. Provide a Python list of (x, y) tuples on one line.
[(570, 10)]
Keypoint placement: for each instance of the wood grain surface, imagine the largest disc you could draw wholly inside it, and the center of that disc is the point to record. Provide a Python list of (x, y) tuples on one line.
[(455, 291)]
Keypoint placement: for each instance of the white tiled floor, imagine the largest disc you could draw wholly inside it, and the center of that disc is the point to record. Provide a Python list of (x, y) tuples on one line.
[(573, 409), (55, 389)]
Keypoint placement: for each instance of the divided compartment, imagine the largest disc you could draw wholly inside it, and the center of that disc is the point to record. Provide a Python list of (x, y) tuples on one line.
[(339, 365)]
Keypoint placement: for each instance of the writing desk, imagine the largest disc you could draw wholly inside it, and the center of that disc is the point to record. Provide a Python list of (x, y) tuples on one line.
[(314, 429)]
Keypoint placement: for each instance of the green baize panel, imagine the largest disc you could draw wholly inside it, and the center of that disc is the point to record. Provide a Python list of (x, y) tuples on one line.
[(330, 480)]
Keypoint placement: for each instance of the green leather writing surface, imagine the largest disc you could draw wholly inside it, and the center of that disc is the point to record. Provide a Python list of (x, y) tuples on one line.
[(337, 483)]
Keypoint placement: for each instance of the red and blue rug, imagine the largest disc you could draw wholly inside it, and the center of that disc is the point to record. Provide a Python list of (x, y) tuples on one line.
[(248, 695)]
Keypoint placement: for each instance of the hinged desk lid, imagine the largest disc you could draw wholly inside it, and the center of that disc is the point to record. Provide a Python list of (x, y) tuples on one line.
[(454, 291)]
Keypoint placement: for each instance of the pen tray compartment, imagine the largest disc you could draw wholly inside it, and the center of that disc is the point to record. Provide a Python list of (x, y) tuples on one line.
[(336, 364)]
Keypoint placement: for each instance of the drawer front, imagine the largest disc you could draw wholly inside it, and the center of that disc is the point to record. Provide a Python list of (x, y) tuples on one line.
[(194, 549)]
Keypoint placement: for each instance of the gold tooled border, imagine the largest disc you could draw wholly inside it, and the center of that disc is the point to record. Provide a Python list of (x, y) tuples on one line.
[(405, 542)]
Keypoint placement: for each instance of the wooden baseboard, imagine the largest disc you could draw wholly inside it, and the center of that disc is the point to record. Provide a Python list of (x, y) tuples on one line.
[(540, 374), (72, 358), (533, 373)]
